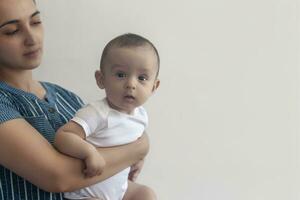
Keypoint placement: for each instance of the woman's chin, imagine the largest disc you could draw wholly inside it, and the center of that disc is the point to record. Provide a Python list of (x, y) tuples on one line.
[(31, 64)]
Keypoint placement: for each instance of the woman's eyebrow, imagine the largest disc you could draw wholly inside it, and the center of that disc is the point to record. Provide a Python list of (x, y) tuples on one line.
[(15, 21), (35, 13)]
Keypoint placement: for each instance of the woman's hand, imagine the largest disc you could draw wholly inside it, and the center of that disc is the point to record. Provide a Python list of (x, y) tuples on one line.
[(143, 145), (135, 170)]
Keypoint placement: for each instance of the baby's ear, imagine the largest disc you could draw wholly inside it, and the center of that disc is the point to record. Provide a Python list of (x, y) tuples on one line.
[(99, 79), (156, 85)]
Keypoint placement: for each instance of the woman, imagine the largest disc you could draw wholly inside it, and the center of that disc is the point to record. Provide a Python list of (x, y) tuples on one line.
[(31, 112)]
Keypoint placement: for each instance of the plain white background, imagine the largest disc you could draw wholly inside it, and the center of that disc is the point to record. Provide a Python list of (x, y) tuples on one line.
[(224, 124)]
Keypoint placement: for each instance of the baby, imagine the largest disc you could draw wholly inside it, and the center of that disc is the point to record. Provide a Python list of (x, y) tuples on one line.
[(128, 73)]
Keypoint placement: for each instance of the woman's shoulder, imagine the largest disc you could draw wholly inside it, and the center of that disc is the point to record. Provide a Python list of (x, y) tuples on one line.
[(8, 106), (6, 96)]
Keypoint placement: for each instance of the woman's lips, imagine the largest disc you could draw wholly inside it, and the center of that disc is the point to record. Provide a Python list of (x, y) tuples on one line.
[(32, 54)]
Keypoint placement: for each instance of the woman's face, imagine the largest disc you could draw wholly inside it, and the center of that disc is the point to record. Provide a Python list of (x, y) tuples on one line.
[(21, 35)]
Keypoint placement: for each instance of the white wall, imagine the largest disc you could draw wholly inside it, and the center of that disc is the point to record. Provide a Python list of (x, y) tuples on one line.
[(224, 124)]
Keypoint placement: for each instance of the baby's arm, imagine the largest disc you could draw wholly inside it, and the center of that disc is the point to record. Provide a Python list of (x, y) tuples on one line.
[(70, 140)]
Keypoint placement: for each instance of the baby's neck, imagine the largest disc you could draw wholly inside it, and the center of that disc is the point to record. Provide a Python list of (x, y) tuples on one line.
[(112, 106)]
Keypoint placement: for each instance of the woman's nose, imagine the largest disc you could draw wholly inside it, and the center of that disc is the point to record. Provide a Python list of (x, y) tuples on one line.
[(29, 38)]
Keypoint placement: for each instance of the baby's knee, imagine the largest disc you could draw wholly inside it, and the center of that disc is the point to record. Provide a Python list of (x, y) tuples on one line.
[(146, 193)]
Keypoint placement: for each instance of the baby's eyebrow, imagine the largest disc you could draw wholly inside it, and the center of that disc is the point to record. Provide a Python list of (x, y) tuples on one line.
[(145, 70), (15, 21), (117, 66)]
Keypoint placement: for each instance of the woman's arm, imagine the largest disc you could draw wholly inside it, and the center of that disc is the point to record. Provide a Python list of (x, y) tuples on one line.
[(26, 152)]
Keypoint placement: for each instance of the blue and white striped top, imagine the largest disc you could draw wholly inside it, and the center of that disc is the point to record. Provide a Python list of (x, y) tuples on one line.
[(46, 116)]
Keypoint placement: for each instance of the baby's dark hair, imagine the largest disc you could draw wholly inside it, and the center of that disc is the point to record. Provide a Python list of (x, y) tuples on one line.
[(128, 40)]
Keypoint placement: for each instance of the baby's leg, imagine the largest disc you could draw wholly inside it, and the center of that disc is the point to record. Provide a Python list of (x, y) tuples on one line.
[(137, 191)]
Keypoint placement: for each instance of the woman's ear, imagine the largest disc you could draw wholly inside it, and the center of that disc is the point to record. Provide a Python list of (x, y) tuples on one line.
[(156, 85), (99, 79)]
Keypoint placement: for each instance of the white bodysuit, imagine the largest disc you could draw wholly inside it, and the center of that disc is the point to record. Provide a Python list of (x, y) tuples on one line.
[(106, 127)]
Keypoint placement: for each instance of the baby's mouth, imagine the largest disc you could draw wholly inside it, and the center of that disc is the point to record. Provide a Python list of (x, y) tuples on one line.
[(130, 97)]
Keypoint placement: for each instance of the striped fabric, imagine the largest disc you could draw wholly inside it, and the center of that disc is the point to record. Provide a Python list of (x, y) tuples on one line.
[(44, 115)]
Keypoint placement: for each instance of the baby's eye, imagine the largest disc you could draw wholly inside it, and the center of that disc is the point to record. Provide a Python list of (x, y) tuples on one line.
[(143, 78), (120, 74)]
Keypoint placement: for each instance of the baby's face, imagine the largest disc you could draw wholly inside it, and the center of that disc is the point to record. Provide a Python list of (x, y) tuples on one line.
[(129, 76)]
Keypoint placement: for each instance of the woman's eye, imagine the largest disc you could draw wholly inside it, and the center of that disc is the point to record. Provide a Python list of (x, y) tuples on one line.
[(36, 22), (120, 74), (10, 33)]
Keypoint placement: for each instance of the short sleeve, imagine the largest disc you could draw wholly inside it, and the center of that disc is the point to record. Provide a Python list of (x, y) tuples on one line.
[(141, 113), (7, 110), (90, 119)]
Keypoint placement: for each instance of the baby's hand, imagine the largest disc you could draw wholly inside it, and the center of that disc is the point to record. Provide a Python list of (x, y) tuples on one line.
[(94, 164)]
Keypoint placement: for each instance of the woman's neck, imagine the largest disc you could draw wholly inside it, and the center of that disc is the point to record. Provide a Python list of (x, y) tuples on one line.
[(17, 78), (22, 80)]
